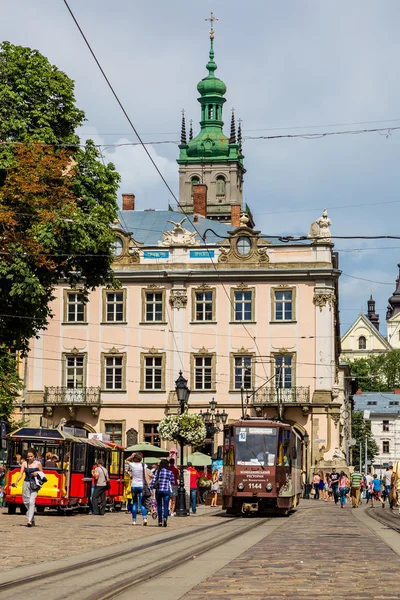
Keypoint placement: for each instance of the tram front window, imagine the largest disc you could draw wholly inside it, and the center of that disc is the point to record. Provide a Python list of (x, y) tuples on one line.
[(256, 446)]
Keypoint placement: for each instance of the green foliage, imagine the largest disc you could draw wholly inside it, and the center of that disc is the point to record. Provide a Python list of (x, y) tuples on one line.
[(359, 429), (10, 384), (380, 373)]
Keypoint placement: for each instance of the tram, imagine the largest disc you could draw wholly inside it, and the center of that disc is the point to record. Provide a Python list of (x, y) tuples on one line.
[(69, 478), (262, 467)]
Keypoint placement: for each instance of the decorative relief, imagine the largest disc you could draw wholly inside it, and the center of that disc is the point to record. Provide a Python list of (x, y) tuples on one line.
[(178, 299), (49, 411), (263, 256), (324, 297), (134, 256), (179, 236), (335, 418), (153, 351), (223, 255), (203, 350), (319, 230), (242, 286), (335, 392)]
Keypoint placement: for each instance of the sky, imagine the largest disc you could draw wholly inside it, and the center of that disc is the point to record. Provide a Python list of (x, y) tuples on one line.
[(290, 66)]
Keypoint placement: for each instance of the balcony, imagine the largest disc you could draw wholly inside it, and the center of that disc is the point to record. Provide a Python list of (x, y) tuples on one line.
[(272, 395), (72, 398)]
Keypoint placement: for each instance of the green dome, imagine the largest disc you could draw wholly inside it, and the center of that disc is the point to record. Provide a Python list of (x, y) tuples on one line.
[(211, 85), (210, 144)]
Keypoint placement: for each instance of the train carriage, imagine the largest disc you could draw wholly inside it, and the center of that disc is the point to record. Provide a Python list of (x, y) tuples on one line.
[(262, 467), (69, 479)]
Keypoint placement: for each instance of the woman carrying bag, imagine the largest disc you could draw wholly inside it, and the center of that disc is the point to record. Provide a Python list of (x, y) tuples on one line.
[(31, 467), (162, 483), (214, 487)]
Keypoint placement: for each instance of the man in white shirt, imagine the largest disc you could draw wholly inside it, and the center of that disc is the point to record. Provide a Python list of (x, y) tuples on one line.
[(368, 479), (387, 480)]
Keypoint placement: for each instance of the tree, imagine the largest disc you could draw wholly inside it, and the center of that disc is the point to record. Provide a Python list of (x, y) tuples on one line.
[(10, 384), (360, 428), (380, 373), (57, 200)]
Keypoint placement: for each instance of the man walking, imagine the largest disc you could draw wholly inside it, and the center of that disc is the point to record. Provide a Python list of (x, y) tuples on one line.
[(334, 477), (194, 476), (388, 479), (355, 479), (101, 478)]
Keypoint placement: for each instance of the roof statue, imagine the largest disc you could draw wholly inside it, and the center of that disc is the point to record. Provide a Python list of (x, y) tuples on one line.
[(179, 236), (319, 229)]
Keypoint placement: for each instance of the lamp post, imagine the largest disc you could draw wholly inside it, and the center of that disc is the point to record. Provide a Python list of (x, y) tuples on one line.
[(306, 439), (182, 393), (213, 419)]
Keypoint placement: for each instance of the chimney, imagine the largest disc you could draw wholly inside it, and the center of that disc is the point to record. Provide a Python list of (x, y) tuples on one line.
[(128, 201), (200, 199), (235, 215)]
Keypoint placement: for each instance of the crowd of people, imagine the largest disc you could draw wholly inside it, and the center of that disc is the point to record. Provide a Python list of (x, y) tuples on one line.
[(342, 487)]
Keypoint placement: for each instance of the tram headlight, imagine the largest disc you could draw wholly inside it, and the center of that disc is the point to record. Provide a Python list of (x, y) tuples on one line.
[(269, 487), (240, 487)]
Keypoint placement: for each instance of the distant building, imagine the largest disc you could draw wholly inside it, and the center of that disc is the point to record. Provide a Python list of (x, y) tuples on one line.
[(384, 414), (393, 317), (363, 338)]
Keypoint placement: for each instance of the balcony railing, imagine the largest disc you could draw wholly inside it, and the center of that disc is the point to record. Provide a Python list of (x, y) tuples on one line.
[(72, 396), (295, 395)]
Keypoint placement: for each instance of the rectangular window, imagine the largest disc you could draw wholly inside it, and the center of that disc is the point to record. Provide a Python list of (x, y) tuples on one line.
[(75, 308), (243, 304), (385, 425), (153, 372), (114, 430), (385, 447), (283, 305), (114, 372), (75, 371), (203, 367), (284, 371), (114, 307), (150, 434), (243, 374), (154, 306), (204, 306)]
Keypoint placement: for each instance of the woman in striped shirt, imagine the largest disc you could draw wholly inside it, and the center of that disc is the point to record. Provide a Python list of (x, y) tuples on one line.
[(162, 483)]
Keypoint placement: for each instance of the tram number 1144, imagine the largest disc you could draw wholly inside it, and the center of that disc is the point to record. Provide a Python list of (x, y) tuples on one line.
[(255, 486)]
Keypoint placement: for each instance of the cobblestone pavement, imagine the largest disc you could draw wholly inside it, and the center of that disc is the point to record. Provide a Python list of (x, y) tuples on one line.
[(58, 537), (320, 552)]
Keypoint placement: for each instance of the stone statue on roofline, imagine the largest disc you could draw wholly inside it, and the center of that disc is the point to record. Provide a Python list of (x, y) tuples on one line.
[(179, 236), (319, 230)]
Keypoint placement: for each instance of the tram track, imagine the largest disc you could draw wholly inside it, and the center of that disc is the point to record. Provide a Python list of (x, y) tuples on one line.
[(110, 576), (388, 522)]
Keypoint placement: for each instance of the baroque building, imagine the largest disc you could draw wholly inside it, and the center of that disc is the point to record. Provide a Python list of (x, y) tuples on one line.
[(251, 320)]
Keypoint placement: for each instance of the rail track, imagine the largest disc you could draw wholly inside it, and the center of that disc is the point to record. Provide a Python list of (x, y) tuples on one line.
[(385, 518), (111, 575)]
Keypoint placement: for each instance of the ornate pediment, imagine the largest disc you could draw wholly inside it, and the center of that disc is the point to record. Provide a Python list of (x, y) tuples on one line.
[(244, 247), (179, 236)]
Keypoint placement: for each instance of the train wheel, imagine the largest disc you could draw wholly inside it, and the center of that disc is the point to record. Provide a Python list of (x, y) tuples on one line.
[(22, 510), (11, 509), (40, 509)]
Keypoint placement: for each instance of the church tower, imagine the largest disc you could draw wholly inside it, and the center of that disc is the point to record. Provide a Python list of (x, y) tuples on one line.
[(211, 164), (393, 316)]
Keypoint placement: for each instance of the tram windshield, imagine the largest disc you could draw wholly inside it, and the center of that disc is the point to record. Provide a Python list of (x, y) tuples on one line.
[(256, 446)]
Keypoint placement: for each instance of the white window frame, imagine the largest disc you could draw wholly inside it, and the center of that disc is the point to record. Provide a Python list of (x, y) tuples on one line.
[(284, 302), (113, 373), (239, 364), (74, 301), (203, 373), (113, 304), (155, 371), (72, 366), (153, 304), (242, 301), (202, 303)]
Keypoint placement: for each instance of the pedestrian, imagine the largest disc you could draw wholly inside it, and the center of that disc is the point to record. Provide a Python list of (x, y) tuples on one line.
[(175, 486), (396, 485), (162, 485), (139, 486), (368, 486), (316, 481), (342, 488), (31, 467), (355, 478), (334, 479), (194, 478), (388, 480), (214, 487), (102, 479), (321, 486), (377, 491)]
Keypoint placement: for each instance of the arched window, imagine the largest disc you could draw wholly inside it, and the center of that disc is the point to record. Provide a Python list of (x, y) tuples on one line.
[(220, 186), (362, 343), (194, 181)]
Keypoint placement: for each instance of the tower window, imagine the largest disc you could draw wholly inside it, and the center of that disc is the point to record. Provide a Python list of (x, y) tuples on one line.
[(362, 343), (194, 181), (220, 184), (210, 111)]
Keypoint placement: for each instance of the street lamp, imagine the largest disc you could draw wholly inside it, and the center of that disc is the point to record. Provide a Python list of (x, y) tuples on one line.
[(306, 439), (212, 418), (182, 393)]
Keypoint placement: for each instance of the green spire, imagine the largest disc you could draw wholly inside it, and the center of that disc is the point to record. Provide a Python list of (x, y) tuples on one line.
[(211, 143)]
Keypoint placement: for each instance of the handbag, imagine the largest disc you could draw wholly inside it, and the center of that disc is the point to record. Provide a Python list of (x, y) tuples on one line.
[(146, 489), (108, 483)]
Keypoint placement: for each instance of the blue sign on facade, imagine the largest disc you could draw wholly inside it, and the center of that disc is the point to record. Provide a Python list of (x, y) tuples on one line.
[(202, 254), (156, 254)]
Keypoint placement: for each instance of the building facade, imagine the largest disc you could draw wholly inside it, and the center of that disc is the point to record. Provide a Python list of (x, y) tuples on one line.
[(383, 410)]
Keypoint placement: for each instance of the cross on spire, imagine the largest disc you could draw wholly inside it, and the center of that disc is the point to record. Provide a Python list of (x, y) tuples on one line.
[(211, 18)]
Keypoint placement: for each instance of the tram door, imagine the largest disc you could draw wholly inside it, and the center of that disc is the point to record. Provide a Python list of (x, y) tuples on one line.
[(80, 477)]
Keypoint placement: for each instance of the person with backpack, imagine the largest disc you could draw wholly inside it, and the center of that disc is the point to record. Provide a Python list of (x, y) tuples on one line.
[(102, 483), (139, 485), (162, 483), (30, 488)]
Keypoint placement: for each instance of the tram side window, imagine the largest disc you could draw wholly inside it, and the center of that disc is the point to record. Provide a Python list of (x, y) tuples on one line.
[(284, 457), (79, 458)]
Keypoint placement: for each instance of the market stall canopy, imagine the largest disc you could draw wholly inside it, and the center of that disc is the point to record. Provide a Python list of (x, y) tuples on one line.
[(152, 460), (198, 459), (147, 449)]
